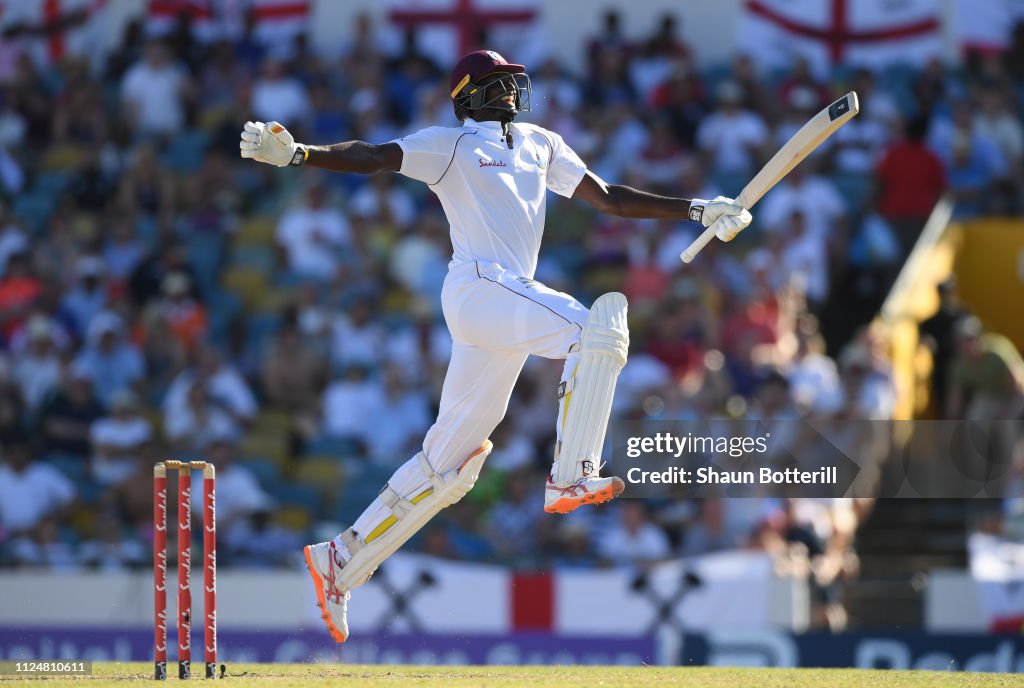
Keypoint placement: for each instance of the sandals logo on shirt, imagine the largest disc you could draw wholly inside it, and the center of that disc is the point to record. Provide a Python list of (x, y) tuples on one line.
[(492, 163)]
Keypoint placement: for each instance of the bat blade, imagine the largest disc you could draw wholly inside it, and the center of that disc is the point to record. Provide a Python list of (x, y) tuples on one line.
[(799, 146)]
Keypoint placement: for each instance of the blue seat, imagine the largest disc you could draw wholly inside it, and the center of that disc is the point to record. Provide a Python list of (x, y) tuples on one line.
[(296, 494), (854, 189), (205, 252), (255, 256), (338, 447), (74, 468), (185, 151), (51, 183), (224, 307), (265, 470), (356, 496), (34, 208)]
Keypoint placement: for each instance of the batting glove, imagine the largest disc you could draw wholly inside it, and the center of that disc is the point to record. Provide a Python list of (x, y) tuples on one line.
[(724, 214), (271, 143)]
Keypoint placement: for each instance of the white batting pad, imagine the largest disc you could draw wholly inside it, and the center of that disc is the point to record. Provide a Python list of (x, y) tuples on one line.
[(409, 514), (587, 401)]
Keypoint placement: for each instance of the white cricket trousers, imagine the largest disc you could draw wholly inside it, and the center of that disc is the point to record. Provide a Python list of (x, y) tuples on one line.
[(496, 319)]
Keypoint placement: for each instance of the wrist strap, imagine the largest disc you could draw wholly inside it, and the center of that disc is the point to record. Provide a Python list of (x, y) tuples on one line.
[(299, 156), (696, 213)]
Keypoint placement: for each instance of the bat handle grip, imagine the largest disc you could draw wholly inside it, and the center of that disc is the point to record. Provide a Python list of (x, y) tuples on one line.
[(698, 244)]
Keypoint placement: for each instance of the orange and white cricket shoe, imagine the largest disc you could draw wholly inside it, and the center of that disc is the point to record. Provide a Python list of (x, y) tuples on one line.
[(324, 564), (587, 490)]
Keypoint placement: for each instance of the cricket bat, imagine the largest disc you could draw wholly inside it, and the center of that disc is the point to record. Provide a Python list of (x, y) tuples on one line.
[(799, 146)]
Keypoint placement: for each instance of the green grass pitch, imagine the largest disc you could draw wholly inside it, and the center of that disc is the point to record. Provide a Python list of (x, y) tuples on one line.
[(303, 675)]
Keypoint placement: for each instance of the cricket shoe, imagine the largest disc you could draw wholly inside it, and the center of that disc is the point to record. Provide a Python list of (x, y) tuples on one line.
[(325, 563), (588, 490)]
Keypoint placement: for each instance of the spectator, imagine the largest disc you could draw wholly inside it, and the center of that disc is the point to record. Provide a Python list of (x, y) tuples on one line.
[(19, 289), (155, 92), (680, 336), (910, 180), (192, 416), (38, 368), (118, 438), (802, 103), (816, 198), (357, 339), (185, 317), (868, 377), (813, 377), (279, 96), (987, 375), (222, 387), (633, 540), (657, 56), (146, 282), (858, 145), (348, 404), (110, 360), (124, 250), (30, 491), (662, 159), (66, 418), (292, 376), (802, 78), (383, 202), (731, 138), (239, 494), (146, 187), (88, 296), (997, 121), (804, 259), (938, 335), (419, 259), (680, 99), (970, 175), (514, 522), (44, 548), (398, 422), (610, 41), (571, 545), (312, 236), (112, 550), (12, 239)]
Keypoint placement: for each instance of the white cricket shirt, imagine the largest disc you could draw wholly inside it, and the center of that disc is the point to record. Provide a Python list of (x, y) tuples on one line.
[(494, 197)]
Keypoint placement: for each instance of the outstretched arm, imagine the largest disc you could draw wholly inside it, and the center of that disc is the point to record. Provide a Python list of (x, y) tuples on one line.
[(625, 201), (358, 157), (271, 143)]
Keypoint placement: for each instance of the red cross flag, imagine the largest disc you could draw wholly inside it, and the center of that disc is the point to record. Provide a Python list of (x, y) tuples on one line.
[(275, 22), (162, 15), (279, 21), (52, 29), (869, 33), (447, 29)]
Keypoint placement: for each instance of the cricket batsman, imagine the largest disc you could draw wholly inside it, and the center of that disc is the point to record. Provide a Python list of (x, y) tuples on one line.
[(491, 175)]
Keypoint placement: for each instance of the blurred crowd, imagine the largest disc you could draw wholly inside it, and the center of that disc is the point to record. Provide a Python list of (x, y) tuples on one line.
[(160, 297)]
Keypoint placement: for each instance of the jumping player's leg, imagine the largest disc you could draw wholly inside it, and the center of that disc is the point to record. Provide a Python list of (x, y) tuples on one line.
[(594, 345), (496, 319), (584, 404), (474, 399)]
